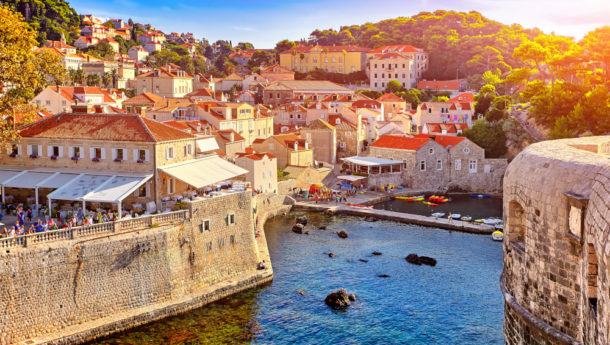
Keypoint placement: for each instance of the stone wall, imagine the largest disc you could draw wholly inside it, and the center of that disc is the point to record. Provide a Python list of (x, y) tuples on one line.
[(556, 249), (62, 290), (286, 186)]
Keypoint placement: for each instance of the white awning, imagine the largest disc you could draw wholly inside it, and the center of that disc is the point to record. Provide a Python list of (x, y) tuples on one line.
[(99, 188), (204, 172), (207, 144), (57, 180), (116, 189), (371, 161), (28, 179), (6, 175), (350, 177)]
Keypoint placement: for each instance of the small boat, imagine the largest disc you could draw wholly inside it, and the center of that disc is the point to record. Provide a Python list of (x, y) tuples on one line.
[(466, 219), (357, 205), (499, 226), (456, 216), (419, 198), (404, 197), (480, 196), (492, 221), (497, 236), (479, 220), (438, 214), (430, 203)]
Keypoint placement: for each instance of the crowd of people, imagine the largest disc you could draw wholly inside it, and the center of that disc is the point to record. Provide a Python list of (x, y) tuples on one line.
[(62, 220)]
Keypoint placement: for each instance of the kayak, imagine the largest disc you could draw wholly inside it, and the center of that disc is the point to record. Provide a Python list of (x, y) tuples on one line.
[(480, 196), (497, 236)]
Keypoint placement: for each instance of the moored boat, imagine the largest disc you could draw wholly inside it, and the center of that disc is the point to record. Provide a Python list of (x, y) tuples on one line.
[(456, 216), (357, 205), (438, 214), (492, 221), (466, 219), (497, 235), (479, 220)]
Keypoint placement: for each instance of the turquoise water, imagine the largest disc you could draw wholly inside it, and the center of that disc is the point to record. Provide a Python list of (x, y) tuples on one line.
[(463, 204), (456, 302)]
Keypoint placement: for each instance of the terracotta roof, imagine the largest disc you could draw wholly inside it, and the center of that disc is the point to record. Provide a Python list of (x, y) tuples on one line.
[(166, 71), (463, 97), (189, 126), (234, 76), (439, 84), (58, 44), (444, 140), (348, 48), (402, 48), (367, 104), (225, 134), (103, 127), (390, 97), (312, 86), (320, 124), (400, 142), (288, 141), (255, 155), (145, 97), (275, 69)]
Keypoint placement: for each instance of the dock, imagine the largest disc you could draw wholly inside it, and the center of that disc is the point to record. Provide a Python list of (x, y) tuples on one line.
[(443, 223)]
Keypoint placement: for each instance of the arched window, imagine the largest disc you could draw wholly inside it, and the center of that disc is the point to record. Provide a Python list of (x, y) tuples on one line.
[(592, 278), (516, 225)]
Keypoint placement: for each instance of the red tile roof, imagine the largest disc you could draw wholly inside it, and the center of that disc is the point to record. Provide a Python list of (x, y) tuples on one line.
[(439, 84), (402, 48), (145, 97), (444, 140), (103, 127), (255, 155), (390, 97), (349, 48), (400, 142), (367, 104), (463, 97)]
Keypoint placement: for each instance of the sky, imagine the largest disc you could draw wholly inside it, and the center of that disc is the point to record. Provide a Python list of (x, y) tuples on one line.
[(264, 23)]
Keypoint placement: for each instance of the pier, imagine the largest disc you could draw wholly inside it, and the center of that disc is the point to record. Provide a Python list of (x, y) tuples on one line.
[(443, 223)]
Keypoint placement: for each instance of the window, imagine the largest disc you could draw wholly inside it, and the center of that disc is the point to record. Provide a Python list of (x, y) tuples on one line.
[(170, 186), (473, 166), (466, 150), (487, 168), (142, 155), (205, 225), (208, 246), (76, 152), (431, 151), (34, 150), (439, 165), (429, 110), (220, 242), (170, 153), (403, 66), (14, 149), (119, 154), (231, 219), (422, 165), (458, 164), (375, 75), (382, 65), (142, 191), (404, 162), (55, 150), (382, 75), (232, 238), (48, 102), (375, 67)]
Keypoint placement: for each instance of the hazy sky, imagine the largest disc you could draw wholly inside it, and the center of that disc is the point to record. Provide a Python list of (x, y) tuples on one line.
[(266, 22)]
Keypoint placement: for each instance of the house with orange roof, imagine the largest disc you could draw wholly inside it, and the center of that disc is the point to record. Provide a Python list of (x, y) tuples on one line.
[(61, 46), (300, 91), (58, 99), (86, 41), (290, 150), (289, 114), (262, 170), (322, 137), (242, 118), (246, 96), (403, 63), (393, 104), (444, 128), (170, 108), (230, 142), (334, 59), (138, 53), (442, 85), (228, 82), (441, 162), (443, 112), (276, 72), (165, 82)]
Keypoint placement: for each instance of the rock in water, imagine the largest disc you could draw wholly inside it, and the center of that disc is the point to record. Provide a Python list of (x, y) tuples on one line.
[(331, 255), (298, 228), (426, 260), (338, 300), (370, 219), (383, 276), (301, 292), (322, 227), (342, 234), (302, 220), (413, 259), (376, 253), (352, 297), (363, 260)]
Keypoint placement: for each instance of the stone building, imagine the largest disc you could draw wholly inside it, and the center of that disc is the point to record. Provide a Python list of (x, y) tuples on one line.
[(137, 159), (323, 138), (440, 162), (403, 63), (165, 82), (288, 148), (262, 170), (335, 59), (556, 280), (299, 91)]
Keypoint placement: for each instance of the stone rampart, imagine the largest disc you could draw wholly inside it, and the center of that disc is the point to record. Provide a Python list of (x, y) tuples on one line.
[(72, 290), (556, 279)]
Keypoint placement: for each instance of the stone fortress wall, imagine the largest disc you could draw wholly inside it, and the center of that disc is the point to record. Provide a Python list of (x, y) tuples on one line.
[(556, 281), (73, 290)]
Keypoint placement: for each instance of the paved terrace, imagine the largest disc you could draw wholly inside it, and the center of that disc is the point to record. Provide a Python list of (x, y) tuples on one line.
[(369, 198)]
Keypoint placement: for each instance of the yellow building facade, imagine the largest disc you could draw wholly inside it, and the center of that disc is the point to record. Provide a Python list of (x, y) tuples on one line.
[(335, 59)]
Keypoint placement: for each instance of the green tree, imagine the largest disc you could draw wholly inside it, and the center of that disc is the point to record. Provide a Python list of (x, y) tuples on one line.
[(103, 50), (499, 109), (106, 79), (370, 93), (260, 58), (284, 45), (244, 46), (93, 80), (393, 86), (490, 136), (23, 72), (412, 96), (597, 45)]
